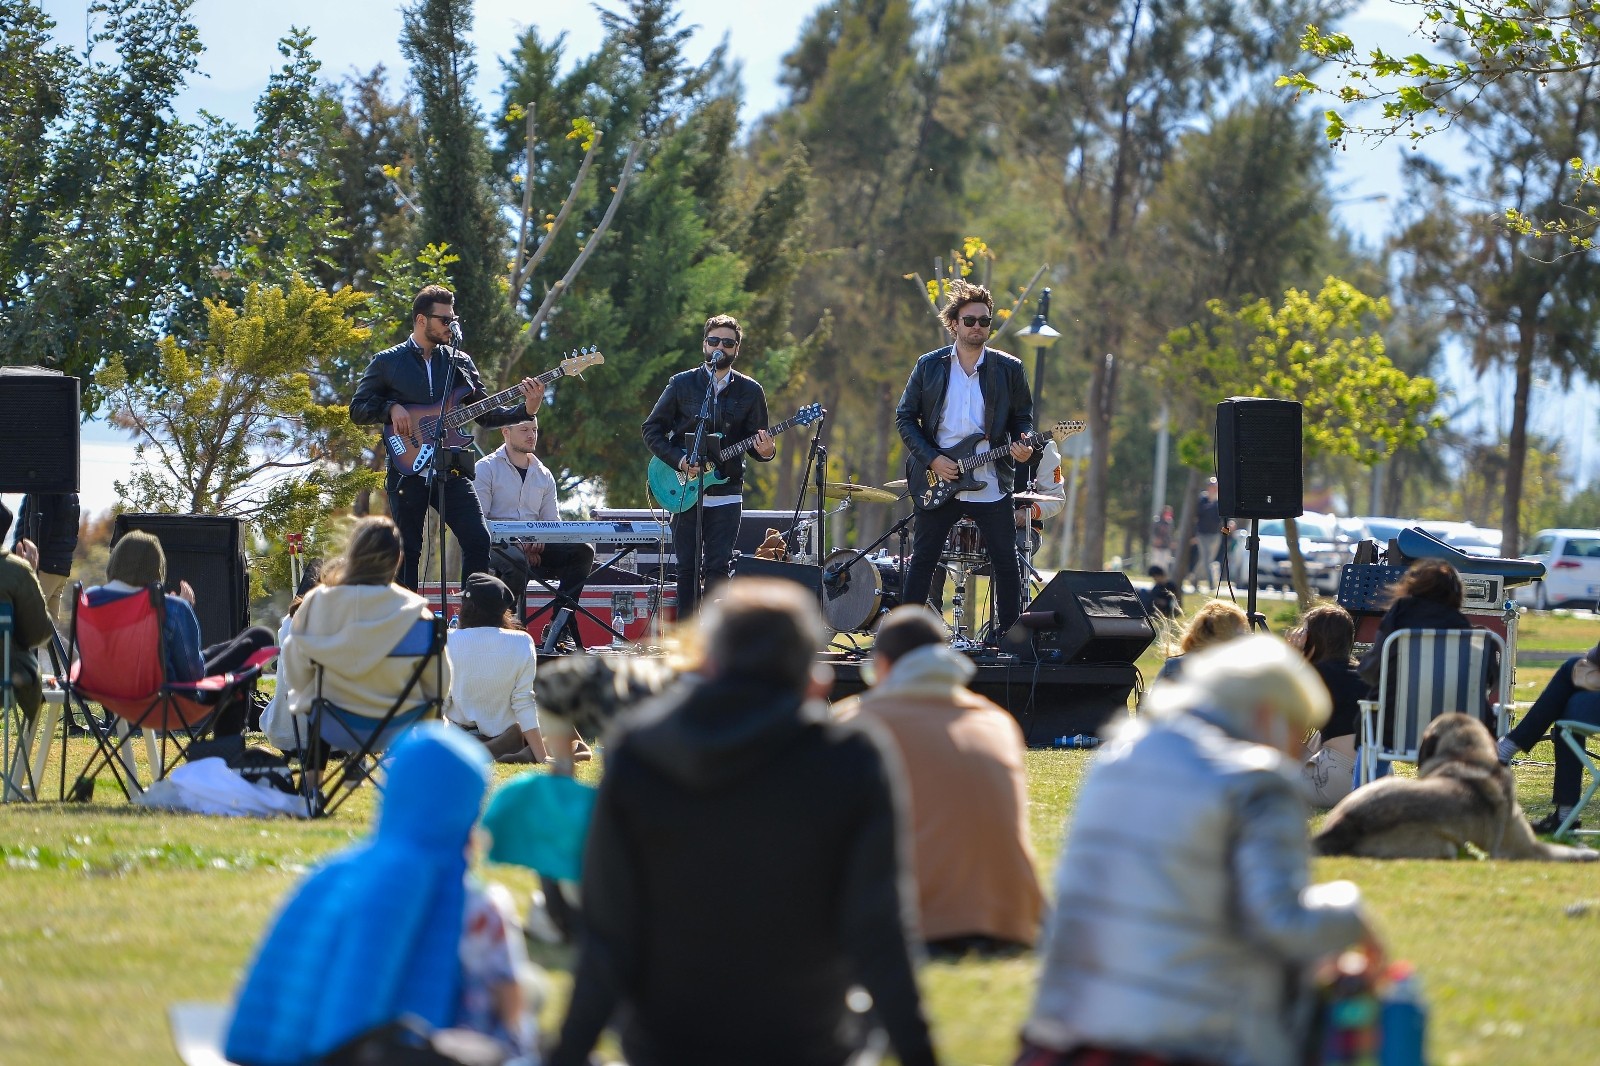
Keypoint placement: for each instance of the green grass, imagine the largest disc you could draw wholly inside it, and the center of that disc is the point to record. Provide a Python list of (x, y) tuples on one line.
[(111, 913)]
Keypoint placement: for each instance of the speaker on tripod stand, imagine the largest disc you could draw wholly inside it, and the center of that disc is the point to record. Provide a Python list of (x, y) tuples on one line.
[(1259, 472), (39, 420)]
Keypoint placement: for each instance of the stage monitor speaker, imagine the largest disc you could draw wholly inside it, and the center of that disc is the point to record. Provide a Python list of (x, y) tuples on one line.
[(1258, 458), (1082, 617), (802, 573), (39, 420), (207, 551)]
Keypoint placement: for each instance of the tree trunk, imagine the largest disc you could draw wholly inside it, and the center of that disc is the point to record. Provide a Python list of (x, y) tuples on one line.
[(1183, 533), (1297, 566), (1517, 445), (1102, 401)]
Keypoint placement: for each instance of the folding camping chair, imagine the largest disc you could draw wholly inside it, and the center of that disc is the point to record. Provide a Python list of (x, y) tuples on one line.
[(1426, 673), (358, 738), (1576, 735), (23, 766), (120, 663)]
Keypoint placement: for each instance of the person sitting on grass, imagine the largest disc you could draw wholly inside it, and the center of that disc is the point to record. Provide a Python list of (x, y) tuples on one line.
[(1214, 623), (137, 562), (1573, 692), (1163, 599), (491, 683), (976, 886), (393, 928), (1326, 638), (1184, 927)]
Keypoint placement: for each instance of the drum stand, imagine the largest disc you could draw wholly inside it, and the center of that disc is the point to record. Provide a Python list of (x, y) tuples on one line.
[(960, 578)]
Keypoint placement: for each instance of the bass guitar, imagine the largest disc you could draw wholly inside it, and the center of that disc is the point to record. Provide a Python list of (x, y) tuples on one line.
[(928, 490), (413, 454), (676, 491)]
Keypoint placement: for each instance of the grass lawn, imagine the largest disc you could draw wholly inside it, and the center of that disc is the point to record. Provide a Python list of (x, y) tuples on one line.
[(111, 913)]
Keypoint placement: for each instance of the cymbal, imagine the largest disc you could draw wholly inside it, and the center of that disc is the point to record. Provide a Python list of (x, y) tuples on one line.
[(1033, 497), (896, 485), (839, 490)]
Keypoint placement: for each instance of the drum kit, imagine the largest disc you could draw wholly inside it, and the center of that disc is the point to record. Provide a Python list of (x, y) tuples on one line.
[(861, 588)]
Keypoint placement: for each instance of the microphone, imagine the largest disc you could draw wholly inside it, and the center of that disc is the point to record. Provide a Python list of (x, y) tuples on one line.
[(836, 579), (456, 337)]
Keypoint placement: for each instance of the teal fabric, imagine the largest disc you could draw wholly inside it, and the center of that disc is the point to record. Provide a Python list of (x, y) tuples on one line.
[(375, 932), (540, 821)]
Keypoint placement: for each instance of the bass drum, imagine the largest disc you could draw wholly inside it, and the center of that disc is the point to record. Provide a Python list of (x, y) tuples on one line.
[(861, 594)]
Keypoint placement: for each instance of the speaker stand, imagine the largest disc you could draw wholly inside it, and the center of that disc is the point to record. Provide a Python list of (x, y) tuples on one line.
[(1252, 545)]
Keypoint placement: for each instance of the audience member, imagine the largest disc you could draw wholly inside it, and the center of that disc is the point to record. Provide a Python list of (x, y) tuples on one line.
[(349, 625), (1184, 926), (1573, 692), (1161, 553), (742, 870), (976, 885), (50, 520), (492, 669), (1163, 600), (392, 927), (1328, 637), (137, 564), (1215, 622), (30, 619), (1209, 529), (276, 721)]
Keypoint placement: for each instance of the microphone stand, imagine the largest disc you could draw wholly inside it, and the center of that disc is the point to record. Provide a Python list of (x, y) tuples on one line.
[(437, 472), (792, 538), (695, 458), (836, 579)]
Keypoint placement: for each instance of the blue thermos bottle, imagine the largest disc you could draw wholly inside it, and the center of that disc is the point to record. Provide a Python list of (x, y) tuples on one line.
[(1403, 1020)]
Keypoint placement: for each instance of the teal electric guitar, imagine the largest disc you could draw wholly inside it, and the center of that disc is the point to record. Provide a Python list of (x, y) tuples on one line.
[(677, 492)]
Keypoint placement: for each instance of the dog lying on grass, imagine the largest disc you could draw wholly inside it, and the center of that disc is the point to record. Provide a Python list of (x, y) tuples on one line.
[(1461, 798), (588, 691)]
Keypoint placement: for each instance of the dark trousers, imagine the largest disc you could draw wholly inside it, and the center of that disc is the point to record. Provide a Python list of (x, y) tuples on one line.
[(409, 501), (998, 526), (227, 657), (567, 565), (1560, 699), (720, 530)]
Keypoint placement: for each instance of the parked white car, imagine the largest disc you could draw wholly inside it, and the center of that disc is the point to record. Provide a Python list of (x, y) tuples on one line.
[(1466, 537), (1318, 544), (1571, 559)]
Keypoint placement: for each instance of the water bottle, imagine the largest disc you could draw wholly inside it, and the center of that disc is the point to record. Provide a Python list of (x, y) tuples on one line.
[(1403, 1019), (1350, 1015), (1077, 740), (451, 625)]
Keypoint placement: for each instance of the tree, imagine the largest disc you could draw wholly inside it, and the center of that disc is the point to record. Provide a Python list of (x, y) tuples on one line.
[(229, 423), (1323, 350), (460, 207)]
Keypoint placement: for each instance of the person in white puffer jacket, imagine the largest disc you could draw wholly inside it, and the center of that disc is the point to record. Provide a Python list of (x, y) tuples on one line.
[(1185, 927)]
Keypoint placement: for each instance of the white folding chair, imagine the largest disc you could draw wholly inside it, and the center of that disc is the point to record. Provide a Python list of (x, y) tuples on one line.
[(1426, 673)]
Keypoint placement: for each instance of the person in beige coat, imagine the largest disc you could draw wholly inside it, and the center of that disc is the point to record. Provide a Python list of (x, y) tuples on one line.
[(350, 625), (977, 889)]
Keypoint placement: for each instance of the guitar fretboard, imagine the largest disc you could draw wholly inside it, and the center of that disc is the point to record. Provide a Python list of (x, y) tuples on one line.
[(462, 415), (972, 462), (772, 431)]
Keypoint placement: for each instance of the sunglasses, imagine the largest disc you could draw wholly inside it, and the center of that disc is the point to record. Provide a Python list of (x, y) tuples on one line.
[(976, 320), (724, 342), (447, 319)]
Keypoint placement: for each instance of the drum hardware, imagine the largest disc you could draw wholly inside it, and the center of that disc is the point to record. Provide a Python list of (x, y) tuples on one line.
[(839, 490), (858, 590), (897, 485), (1034, 497)]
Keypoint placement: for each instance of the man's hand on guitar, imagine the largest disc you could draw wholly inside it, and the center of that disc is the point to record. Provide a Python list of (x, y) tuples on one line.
[(690, 472), (533, 390), (944, 468), (766, 447), (400, 419), (1021, 452)]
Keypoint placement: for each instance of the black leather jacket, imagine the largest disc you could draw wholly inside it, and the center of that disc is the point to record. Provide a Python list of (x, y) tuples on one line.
[(1007, 403), (396, 375), (738, 412)]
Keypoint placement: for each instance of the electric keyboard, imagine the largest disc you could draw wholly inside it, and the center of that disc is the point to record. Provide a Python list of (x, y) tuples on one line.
[(581, 532)]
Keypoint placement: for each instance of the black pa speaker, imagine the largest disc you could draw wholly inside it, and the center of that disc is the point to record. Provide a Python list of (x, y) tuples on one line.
[(39, 420), (1082, 617), (1258, 458), (207, 551), (801, 573)]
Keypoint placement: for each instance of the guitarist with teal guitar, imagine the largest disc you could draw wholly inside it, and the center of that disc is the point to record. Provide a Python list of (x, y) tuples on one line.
[(701, 409)]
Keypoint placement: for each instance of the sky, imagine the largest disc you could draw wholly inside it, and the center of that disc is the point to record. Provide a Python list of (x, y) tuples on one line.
[(353, 36)]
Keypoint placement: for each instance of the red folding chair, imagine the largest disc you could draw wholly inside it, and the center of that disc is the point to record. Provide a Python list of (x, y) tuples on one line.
[(119, 662)]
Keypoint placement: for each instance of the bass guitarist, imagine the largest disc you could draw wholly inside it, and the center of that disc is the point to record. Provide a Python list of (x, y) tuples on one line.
[(738, 410), (953, 393), (413, 373)]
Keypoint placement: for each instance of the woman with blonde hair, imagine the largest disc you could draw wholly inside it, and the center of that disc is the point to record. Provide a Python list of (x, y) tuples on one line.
[(1216, 622)]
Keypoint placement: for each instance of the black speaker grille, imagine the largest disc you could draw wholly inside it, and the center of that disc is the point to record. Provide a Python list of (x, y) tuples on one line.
[(1259, 458), (206, 551), (1101, 621), (38, 431)]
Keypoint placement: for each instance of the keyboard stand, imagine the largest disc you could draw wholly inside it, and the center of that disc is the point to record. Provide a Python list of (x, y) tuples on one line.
[(566, 609)]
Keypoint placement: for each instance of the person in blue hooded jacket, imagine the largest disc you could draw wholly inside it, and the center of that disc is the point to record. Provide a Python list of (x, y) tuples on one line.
[(391, 927)]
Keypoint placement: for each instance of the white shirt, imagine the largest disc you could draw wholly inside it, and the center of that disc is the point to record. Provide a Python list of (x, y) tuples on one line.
[(719, 386), (963, 415), (491, 686)]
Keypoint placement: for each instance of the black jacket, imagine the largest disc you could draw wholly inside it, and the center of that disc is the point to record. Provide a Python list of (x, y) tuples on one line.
[(739, 412), (58, 529), (397, 375), (1007, 402), (744, 869), (1346, 689), (1409, 612)]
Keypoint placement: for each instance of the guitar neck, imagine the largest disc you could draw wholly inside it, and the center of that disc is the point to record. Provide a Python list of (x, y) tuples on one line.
[(772, 431), (972, 462), (462, 415)]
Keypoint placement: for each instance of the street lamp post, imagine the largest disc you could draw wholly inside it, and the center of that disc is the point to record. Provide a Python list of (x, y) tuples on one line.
[(1039, 335)]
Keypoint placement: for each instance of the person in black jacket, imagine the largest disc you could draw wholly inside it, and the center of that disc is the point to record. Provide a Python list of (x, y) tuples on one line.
[(413, 372), (738, 410), (953, 392), (50, 520), (745, 864), (1327, 637)]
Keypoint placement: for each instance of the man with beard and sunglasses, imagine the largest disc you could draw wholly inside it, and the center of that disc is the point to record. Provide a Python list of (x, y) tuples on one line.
[(738, 410), (956, 391)]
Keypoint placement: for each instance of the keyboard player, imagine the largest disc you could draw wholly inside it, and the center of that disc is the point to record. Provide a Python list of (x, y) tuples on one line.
[(514, 486)]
